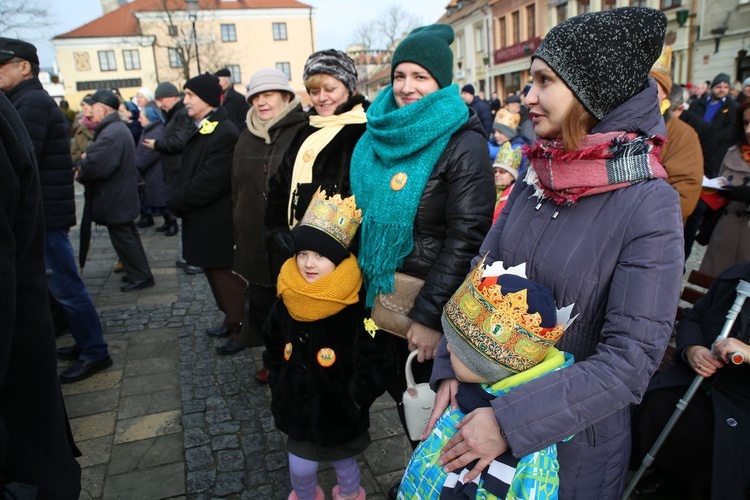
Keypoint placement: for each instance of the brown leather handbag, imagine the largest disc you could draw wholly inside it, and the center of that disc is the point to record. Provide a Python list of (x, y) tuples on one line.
[(390, 310)]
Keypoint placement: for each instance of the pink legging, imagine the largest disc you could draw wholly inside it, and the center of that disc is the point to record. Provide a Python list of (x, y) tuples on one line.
[(304, 476)]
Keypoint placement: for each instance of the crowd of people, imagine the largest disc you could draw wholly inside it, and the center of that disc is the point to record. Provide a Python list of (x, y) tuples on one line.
[(544, 238)]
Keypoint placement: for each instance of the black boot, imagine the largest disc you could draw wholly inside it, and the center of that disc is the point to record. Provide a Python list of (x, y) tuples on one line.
[(172, 230), (144, 221)]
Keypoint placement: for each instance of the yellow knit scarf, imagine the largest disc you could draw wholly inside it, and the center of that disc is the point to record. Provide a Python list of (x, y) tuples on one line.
[(323, 297), (303, 164)]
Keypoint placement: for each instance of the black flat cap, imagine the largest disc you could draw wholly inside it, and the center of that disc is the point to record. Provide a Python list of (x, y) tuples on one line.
[(107, 98), (10, 48)]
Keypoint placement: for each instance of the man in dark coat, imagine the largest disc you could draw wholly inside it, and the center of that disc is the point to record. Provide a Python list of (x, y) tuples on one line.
[(231, 100), (178, 129), (36, 446), (714, 429), (203, 198), (719, 109), (711, 163), (108, 171), (48, 131), (481, 108)]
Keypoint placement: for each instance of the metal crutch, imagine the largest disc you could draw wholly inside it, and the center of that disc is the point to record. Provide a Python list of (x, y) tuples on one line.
[(743, 292)]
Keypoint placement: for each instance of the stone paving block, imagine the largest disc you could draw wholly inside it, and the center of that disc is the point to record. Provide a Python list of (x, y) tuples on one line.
[(94, 451), (386, 455), (385, 423), (97, 382), (92, 481), (150, 366), (228, 483), (78, 405), (195, 437), (145, 404), (229, 460), (199, 458), (201, 480), (148, 426), (225, 442), (147, 384), (145, 454), (93, 426), (160, 482), (144, 348)]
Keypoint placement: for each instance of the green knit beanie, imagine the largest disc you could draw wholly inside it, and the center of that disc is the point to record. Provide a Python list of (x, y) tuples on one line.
[(430, 47)]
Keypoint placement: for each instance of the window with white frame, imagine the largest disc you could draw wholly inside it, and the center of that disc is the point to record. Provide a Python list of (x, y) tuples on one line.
[(236, 76), (228, 33), (131, 59), (175, 58), (279, 31), (107, 60), (285, 68), (479, 38)]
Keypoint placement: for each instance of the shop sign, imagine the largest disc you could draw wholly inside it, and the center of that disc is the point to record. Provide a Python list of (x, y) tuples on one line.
[(517, 51)]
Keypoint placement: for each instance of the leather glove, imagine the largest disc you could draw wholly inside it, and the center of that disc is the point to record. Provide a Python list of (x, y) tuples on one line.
[(737, 193), (284, 243)]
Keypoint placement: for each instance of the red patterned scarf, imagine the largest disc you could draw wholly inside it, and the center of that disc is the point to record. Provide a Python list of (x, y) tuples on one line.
[(604, 162)]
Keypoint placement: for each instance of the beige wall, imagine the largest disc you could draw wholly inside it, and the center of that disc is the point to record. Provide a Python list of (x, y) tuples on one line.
[(254, 49), (78, 61)]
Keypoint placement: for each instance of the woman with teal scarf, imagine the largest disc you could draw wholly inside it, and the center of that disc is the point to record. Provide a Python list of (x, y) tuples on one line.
[(423, 179)]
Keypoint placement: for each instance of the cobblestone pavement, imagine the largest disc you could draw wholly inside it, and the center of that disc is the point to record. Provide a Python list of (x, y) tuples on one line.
[(170, 418)]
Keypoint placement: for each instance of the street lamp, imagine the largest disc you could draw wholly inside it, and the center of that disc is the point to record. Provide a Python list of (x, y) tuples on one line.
[(191, 6)]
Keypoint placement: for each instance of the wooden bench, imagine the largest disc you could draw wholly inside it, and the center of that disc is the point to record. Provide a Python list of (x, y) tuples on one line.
[(690, 295)]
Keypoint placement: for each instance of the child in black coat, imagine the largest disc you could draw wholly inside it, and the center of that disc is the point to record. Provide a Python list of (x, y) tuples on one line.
[(325, 369)]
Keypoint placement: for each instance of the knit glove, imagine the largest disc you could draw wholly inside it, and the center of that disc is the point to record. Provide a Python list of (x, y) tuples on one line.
[(737, 193)]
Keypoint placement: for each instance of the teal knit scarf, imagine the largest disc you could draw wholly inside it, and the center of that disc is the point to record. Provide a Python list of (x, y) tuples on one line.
[(409, 141)]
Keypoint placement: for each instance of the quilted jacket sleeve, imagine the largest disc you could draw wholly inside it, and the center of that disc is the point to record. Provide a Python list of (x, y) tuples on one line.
[(468, 210), (639, 315)]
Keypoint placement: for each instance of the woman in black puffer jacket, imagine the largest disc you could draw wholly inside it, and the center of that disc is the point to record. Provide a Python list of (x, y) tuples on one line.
[(422, 176)]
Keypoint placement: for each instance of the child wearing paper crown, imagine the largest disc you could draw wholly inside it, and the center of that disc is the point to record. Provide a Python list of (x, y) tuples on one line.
[(325, 369), (505, 169), (501, 329)]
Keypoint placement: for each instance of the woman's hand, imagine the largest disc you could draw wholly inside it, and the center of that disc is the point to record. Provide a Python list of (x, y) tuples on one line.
[(702, 361), (724, 349), (478, 437), (424, 339), (148, 143), (446, 393)]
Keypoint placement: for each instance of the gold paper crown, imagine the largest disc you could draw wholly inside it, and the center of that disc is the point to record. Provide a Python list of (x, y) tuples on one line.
[(505, 117), (499, 326), (338, 218), (508, 156)]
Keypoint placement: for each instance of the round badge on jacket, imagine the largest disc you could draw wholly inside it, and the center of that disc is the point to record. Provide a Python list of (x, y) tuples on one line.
[(398, 181), (326, 357)]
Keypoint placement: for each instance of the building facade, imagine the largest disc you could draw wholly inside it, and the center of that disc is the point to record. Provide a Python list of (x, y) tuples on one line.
[(145, 42)]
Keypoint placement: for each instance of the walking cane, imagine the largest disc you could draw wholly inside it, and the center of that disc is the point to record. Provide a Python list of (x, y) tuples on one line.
[(743, 292)]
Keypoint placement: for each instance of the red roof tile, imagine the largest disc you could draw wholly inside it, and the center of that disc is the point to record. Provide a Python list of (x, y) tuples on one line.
[(122, 21)]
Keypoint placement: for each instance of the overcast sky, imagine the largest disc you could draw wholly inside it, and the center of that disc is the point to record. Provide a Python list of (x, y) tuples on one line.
[(335, 20)]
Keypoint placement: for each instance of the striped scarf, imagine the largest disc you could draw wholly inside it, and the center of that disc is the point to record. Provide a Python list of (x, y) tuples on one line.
[(605, 162), (405, 142)]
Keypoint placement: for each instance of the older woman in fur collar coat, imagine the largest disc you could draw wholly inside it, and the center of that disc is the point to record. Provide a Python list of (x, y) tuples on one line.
[(274, 118), (597, 223)]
